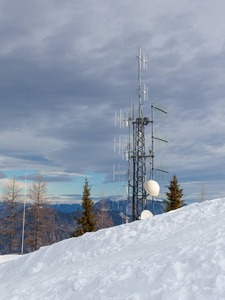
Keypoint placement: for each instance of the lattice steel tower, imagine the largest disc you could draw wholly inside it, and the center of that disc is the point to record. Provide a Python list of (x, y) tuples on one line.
[(136, 148), (139, 156)]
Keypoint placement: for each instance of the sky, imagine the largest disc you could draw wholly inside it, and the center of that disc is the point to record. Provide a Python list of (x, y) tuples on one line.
[(66, 67)]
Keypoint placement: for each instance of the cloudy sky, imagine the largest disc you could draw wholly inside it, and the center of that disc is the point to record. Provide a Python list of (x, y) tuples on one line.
[(67, 66)]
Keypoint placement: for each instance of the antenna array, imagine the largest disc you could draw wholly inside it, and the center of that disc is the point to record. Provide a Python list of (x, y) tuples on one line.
[(136, 146)]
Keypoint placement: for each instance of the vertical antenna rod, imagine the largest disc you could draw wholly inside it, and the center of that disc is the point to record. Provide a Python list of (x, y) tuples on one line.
[(139, 80)]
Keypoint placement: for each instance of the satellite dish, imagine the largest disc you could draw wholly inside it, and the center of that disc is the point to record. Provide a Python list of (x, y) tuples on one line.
[(146, 214), (152, 187)]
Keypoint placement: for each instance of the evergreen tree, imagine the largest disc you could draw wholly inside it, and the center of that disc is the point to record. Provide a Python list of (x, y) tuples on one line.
[(174, 195), (87, 220)]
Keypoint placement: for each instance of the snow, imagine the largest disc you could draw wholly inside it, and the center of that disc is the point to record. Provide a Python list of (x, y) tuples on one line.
[(7, 257), (178, 255)]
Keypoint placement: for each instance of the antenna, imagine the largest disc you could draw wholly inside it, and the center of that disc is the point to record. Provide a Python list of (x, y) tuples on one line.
[(119, 172), (141, 61), (117, 144), (136, 155), (146, 214), (161, 110), (139, 199), (119, 118), (145, 92)]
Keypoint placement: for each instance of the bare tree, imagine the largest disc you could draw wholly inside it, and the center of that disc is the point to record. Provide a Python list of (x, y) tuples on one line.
[(104, 220), (41, 214), (203, 193), (10, 199)]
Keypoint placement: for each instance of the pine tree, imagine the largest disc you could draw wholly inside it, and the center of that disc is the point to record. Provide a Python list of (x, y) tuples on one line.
[(174, 195), (87, 220)]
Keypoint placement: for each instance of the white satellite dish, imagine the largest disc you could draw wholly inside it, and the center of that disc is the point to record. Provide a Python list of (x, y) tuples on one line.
[(152, 187), (146, 214)]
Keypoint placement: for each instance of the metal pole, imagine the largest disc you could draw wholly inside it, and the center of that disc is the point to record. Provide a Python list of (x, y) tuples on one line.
[(24, 207), (139, 79), (152, 165)]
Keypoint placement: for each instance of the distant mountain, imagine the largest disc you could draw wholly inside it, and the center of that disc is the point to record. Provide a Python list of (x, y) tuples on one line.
[(111, 205), (66, 208), (120, 205)]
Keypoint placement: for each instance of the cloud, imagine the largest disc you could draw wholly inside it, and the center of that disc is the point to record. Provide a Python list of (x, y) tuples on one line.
[(66, 67), (65, 174), (5, 181)]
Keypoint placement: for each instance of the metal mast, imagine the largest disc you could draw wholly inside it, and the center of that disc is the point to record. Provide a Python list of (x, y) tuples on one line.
[(24, 207), (139, 156), (152, 167), (136, 147)]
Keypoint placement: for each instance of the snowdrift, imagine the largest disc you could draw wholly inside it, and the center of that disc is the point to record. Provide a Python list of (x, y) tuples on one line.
[(8, 257), (178, 255)]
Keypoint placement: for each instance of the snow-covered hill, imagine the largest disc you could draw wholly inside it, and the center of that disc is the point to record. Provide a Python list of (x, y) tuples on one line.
[(179, 256)]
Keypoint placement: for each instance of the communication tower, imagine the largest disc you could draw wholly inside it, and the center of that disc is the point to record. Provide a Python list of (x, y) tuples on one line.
[(136, 155)]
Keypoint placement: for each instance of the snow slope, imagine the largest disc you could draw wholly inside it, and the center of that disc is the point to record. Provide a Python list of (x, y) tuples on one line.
[(179, 256), (8, 257)]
